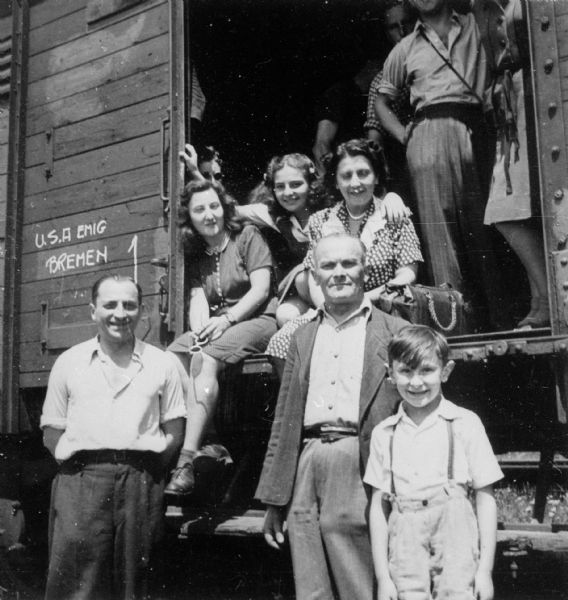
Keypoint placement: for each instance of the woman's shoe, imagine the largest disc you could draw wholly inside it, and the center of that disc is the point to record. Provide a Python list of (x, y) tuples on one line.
[(182, 481), (539, 315)]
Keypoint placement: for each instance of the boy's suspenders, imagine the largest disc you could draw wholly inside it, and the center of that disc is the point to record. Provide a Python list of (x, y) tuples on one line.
[(450, 430)]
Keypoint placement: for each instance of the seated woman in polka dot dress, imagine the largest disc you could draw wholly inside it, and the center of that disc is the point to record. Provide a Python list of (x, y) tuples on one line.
[(356, 174)]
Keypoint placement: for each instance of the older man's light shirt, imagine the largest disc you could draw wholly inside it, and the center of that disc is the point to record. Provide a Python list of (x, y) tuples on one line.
[(100, 406), (336, 368)]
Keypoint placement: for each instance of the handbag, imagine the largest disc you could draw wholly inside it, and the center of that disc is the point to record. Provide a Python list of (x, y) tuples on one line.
[(441, 308)]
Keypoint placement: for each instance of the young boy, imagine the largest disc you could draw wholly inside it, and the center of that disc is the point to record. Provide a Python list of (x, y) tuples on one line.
[(448, 148), (424, 533)]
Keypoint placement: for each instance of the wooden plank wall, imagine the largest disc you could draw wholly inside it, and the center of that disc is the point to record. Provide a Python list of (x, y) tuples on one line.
[(5, 40), (97, 94)]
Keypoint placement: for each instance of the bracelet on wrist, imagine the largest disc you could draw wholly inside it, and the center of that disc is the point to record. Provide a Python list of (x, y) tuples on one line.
[(230, 318)]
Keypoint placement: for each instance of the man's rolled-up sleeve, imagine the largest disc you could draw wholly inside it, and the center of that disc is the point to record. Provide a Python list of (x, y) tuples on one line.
[(394, 73)]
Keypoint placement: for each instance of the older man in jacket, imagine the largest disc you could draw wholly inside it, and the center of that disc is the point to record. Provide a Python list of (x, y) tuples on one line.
[(334, 391)]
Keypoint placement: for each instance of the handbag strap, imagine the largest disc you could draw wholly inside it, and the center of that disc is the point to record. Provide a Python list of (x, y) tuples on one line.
[(449, 64), (434, 316)]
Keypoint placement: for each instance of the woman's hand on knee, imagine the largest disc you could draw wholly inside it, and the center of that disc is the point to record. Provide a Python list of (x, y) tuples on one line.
[(214, 328)]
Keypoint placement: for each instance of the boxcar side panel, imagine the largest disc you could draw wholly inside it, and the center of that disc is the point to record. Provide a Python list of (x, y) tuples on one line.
[(549, 47), (98, 95), (5, 63)]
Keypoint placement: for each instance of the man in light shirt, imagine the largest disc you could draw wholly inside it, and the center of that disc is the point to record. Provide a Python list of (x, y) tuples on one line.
[(334, 391), (113, 416)]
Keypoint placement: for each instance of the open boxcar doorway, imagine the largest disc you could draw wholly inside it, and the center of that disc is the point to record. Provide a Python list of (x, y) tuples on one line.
[(263, 68)]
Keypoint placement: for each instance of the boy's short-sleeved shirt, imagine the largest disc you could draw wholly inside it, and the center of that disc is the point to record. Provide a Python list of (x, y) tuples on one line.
[(414, 62), (420, 453)]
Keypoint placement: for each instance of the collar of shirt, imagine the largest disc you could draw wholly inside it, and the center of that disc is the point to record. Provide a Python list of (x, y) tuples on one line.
[(455, 18), (446, 410), (136, 351), (219, 249), (300, 233), (364, 309)]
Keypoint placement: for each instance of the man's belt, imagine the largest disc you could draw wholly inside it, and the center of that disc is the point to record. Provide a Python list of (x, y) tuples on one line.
[(329, 432), (469, 114), (115, 457)]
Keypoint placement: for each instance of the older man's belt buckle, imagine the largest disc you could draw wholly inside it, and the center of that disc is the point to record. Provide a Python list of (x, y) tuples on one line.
[(329, 433)]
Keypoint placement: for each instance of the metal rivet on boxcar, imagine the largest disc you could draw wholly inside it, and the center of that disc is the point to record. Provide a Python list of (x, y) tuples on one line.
[(548, 64), (559, 194), (544, 23), (555, 152)]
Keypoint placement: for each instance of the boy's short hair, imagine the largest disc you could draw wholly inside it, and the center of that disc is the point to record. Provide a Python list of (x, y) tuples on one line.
[(416, 343)]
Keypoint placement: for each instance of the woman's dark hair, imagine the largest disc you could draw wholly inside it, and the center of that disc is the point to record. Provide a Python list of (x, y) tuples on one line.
[(207, 154), (317, 198), (189, 236), (359, 147)]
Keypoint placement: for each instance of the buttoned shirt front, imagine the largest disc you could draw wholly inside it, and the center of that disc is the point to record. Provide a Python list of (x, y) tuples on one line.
[(100, 406), (336, 368), (414, 62), (420, 453)]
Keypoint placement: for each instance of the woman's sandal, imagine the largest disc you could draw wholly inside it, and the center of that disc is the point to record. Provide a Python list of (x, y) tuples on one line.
[(539, 315)]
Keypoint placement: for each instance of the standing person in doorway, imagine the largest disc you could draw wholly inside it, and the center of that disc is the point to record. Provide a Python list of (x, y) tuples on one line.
[(449, 149), (510, 207), (397, 23), (113, 417)]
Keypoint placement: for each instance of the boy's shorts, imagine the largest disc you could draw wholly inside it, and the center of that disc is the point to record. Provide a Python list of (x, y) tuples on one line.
[(434, 546)]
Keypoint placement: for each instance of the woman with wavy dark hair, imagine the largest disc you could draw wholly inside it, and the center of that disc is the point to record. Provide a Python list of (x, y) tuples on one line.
[(231, 308), (355, 177)]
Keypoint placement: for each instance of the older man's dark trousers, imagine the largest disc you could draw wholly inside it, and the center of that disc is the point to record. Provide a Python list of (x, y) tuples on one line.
[(106, 515)]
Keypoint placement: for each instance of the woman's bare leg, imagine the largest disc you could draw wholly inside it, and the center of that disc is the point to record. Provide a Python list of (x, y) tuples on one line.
[(528, 246)]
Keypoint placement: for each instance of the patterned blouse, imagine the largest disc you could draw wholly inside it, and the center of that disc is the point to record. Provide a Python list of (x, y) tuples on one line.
[(390, 246)]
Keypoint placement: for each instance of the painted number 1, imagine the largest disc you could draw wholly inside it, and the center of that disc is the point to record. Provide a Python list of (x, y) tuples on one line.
[(134, 249)]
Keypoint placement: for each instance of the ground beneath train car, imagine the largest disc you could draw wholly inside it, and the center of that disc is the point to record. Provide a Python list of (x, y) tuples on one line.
[(237, 568), (224, 568)]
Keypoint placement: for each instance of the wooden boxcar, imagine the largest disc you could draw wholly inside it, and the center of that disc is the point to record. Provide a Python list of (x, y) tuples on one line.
[(100, 99)]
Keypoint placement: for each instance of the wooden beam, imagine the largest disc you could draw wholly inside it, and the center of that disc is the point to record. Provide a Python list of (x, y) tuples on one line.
[(10, 401)]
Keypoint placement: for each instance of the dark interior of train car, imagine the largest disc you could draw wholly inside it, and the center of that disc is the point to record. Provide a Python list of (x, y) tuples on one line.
[(262, 67)]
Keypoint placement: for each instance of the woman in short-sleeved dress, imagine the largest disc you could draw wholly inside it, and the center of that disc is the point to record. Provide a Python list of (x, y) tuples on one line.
[(231, 310), (393, 249)]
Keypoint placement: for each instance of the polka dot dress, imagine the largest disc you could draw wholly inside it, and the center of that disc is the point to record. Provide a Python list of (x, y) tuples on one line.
[(393, 246)]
